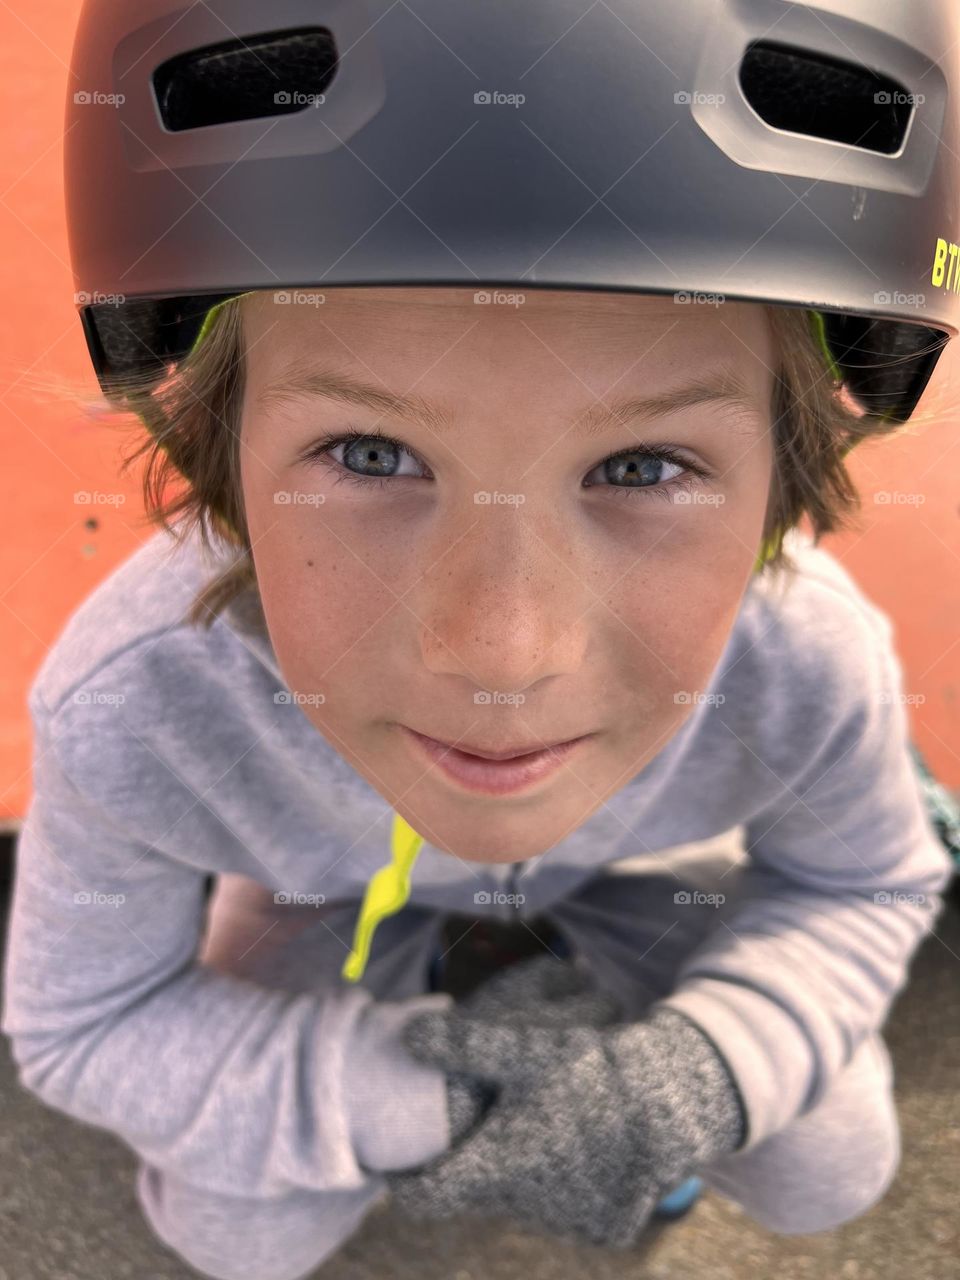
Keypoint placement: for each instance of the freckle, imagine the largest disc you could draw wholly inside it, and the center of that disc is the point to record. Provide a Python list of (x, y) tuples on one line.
[(310, 563)]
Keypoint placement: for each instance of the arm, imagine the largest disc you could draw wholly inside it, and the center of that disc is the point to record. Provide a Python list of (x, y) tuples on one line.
[(237, 1088), (843, 882)]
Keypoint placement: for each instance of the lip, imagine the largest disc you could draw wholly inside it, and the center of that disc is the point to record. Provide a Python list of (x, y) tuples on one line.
[(495, 774), (512, 753)]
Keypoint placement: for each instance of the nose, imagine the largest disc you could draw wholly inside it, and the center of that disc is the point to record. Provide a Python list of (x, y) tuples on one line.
[(504, 609)]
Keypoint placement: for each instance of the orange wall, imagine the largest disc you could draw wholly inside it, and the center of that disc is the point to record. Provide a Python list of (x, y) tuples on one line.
[(907, 556)]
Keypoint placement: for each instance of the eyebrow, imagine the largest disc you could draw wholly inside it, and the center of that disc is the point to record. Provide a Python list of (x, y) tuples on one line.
[(724, 386)]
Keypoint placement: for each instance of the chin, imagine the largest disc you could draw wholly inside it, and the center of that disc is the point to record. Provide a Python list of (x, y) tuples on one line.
[(492, 850)]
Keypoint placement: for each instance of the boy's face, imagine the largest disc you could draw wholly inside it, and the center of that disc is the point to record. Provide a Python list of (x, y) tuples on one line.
[(497, 582)]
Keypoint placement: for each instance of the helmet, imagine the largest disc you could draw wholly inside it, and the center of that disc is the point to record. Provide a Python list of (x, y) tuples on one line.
[(800, 154)]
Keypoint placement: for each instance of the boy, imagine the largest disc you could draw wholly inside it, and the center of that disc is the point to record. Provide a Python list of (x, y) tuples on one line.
[(497, 444), (271, 1104)]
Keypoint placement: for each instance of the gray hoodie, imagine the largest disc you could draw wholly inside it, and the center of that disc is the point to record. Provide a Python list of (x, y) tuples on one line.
[(164, 752)]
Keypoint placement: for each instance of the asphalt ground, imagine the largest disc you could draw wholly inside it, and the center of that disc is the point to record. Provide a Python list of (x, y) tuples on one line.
[(68, 1212)]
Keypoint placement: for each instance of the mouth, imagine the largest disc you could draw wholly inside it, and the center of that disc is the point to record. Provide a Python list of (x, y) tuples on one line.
[(495, 772)]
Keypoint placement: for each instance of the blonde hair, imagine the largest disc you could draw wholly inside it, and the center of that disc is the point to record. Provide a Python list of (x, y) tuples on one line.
[(193, 416)]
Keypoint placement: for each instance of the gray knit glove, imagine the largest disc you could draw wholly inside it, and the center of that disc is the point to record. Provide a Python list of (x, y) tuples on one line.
[(590, 1126), (543, 991)]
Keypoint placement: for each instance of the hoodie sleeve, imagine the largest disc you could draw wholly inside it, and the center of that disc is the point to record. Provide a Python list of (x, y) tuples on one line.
[(235, 1087), (842, 881)]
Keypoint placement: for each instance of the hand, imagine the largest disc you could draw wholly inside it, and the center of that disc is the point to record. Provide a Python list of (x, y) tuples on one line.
[(543, 992), (591, 1125)]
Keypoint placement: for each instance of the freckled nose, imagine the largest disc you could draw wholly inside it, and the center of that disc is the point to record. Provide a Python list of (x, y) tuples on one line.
[(504, 634)]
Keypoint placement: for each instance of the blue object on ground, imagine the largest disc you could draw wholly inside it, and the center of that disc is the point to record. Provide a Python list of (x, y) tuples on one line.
[(680, 1200)]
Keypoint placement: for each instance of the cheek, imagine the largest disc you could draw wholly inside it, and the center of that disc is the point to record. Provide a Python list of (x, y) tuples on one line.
[(675, 619), (326, 611), (329, 617)]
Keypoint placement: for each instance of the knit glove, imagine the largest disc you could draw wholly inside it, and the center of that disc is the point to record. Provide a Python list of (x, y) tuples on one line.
[(542, 991), (590, 1124)]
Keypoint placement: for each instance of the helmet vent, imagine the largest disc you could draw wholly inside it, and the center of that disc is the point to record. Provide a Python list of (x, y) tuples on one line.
[(812, 93), (275, 73)]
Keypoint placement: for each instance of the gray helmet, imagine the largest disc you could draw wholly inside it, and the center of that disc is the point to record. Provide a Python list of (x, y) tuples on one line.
[(801, 154)]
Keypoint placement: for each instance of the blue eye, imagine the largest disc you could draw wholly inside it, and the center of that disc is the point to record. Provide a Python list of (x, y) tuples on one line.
[(636, 469), (641, 471), (630, 472), (362, 449)]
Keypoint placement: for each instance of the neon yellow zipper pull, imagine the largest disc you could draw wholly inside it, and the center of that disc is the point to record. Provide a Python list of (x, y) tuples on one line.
[(388, 890)]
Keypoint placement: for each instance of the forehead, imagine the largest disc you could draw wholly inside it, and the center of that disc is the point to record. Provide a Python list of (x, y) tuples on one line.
[(404, 322), (488, 301)]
